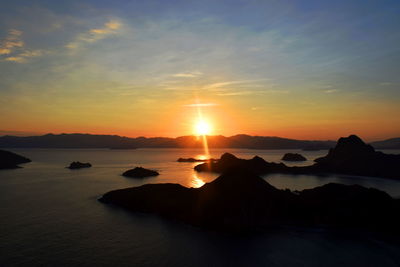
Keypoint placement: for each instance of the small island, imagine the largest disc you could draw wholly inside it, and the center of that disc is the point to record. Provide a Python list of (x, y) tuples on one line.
[(79, 165), (140, 172), (10, 160), (293, 157), (193, 160)]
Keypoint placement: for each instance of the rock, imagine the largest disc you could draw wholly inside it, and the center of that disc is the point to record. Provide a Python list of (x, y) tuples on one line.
[(140, 172), (352, 156), (193, 160), (228, 161), (79, 165), (241, 200), (10, 160), (293, 157)]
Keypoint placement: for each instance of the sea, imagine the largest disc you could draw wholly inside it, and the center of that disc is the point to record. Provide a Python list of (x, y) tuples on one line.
[(51, 216)]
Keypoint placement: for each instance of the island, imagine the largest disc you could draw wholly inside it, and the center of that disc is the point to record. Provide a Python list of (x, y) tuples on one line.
[(78, 165), (140, 172), (240, 200), (293, 157), (10, 160), (350, 156), (193, 160)]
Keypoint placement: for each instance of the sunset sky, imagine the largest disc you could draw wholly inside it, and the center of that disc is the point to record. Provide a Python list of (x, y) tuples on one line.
[(296, 69)]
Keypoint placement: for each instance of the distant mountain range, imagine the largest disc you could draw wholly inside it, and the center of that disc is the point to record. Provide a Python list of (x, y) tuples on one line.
[(119, 142)]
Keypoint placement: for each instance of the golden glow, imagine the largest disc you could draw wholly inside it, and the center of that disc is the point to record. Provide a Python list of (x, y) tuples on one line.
[(202, 127), (196, 181)]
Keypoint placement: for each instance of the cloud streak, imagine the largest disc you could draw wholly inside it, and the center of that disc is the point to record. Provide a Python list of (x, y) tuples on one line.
[(11, 42), (193, 74), (228, 83), (201, 105), (13, 48), (96, 34)]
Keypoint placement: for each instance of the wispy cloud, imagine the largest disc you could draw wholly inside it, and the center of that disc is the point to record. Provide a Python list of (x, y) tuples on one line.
[(228, 83), (193, 74), (331, 91), (385, 83), (11, 42), (24, 56), (200, 105), (239, 93), (96, 34), (13, 48)]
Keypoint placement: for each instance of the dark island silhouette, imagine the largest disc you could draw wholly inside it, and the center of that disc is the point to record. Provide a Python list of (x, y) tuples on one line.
[(293, 157), (240, 200), (193, 160), (78, 165), (139, 172), (350, 156), (10, 160)]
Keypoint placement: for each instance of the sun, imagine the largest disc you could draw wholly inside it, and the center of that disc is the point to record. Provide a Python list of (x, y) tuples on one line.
[(202, 127)]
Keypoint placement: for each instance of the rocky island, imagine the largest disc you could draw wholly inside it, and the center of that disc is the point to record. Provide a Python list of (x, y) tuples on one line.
[(79, 165), (10, 160), (293, 157), (193, 160), (241, 200), (350, 156), (140, 172)]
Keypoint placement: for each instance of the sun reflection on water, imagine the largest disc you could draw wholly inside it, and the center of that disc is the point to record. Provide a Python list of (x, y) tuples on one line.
[(196, 181)]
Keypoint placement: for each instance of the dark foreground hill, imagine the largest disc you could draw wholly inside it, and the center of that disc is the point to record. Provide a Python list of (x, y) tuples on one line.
[(240, 200), (350, 156)]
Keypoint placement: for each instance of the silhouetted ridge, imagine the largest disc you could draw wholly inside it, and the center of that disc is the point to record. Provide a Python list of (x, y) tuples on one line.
[(239, 200), (350, 156)]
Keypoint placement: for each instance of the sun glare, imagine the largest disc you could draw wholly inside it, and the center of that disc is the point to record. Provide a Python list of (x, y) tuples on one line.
[(202, 128)]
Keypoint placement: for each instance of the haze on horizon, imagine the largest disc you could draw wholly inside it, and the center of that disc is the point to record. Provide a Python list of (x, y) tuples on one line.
[(295, 69)]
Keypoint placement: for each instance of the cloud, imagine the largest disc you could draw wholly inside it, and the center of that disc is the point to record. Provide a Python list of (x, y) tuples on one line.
[(11, 42), (223, 84), (13, 48), (188, 74), (330, 91), (201, 105), (24, 56), (385, 83), (93, 35), (236, 93)]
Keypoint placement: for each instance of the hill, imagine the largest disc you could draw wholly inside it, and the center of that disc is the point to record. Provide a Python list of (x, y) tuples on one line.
[(119, 142)]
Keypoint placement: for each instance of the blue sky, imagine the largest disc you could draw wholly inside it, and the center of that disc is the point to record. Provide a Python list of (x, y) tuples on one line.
[(288, 68)]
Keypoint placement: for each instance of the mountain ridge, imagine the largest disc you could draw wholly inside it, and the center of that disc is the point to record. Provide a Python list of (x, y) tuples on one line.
[(79, 140)]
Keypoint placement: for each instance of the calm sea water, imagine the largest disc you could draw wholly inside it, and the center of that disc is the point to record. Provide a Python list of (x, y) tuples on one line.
[(49, 215)]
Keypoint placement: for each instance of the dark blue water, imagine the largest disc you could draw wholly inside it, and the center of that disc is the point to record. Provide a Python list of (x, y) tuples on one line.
[(50, 216)]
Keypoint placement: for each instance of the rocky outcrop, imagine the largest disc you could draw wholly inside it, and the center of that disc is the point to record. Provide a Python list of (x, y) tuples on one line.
[(78, 165), (227, 161), (10, 160), (140, 172), (240, 200), (193, 160), (350, 156), (293, 157)]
